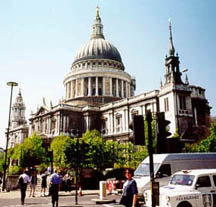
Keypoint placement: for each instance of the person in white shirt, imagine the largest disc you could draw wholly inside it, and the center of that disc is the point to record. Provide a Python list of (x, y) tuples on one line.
[(23, 182)]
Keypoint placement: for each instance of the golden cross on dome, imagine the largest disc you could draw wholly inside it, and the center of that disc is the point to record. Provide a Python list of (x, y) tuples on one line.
[(97, 12)]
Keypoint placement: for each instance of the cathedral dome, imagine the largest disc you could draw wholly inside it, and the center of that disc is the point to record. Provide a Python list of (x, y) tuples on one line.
[(97, 73), (98, 48)]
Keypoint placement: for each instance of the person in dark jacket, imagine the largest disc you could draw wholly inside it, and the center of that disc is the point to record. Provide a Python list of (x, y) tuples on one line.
[(129, 196), (23, 182)]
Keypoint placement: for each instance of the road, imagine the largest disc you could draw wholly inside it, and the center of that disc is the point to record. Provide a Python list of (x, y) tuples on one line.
[(66, 199)]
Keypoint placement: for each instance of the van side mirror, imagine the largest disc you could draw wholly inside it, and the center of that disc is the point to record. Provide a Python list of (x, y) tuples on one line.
[(159, 175), (197, 186)]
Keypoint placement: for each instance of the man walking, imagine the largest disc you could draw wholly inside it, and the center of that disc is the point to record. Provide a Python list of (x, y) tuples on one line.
[(23, 182), (55, 180)]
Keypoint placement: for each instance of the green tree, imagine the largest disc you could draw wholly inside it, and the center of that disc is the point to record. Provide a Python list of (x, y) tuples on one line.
[(1, 162), (95, 152), (31, 151), (100, 153), (205, 145), (58, 150)]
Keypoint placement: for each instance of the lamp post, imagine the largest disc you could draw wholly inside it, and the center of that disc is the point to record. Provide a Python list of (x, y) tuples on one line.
[(11, 84), (74, 133)]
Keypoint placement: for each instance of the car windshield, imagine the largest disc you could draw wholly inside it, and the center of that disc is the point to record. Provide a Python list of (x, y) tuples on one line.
[(144, 169), (182, 180)]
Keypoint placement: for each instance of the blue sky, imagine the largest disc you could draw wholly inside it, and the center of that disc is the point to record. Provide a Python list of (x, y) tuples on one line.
[(39, 40)]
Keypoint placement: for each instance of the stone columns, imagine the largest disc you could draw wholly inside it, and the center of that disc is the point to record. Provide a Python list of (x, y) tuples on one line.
[(104, 90), (126, 86), (89, 86), (122, 88), (76, 89), (66, 88), (69, 90), (82, 87), (58, 124), (96, 86), (72, 91), (117, 88), (125, 120), (111, 92), (111, 123)]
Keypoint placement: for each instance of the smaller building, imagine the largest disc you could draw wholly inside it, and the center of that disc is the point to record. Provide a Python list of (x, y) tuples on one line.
[(19, 129)]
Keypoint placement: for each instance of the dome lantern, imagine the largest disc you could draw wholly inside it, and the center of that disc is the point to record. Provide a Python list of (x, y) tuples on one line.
[(97, 26), (97, 47)]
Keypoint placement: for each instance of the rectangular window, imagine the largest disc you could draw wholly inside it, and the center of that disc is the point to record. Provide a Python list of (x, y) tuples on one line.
[(166, 104), (182, 102), (118, 123), (203, 181), (214, 178)]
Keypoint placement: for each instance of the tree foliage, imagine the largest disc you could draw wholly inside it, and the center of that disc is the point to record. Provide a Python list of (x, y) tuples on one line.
[(32, 151), (95, 152), (58, 150), (29, 153), (1, 161), (205, 145)]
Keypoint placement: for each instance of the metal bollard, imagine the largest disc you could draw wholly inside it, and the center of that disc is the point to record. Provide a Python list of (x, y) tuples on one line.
[(102, 190)]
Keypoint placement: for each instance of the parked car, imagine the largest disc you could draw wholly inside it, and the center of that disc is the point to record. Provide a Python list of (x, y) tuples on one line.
[(188, 188)]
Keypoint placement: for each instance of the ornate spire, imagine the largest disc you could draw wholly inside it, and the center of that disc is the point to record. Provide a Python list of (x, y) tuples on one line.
[(19, 98), (97, 26), (98, 13), (186, 80), (161, 83), (171, 47), (19, 92)]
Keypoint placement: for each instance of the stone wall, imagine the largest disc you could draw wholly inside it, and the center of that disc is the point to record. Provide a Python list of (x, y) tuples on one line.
[(12, 182)]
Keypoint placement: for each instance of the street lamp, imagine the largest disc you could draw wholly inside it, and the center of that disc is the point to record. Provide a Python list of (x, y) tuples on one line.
[(74, 133), (11, 84)]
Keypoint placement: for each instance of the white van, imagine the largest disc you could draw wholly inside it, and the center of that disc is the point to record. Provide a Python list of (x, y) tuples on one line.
[(167, 164)]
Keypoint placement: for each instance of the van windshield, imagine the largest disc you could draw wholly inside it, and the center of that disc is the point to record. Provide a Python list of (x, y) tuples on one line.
[(182, 180), (144, 169)]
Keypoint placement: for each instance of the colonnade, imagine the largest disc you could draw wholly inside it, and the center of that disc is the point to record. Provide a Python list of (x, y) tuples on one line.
[(97, 86)]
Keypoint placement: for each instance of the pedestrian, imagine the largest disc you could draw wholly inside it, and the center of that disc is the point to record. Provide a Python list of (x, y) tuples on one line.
[(23, 182), (55, 182), (33, 183), (44, 183), (129, 196), (67, 181)]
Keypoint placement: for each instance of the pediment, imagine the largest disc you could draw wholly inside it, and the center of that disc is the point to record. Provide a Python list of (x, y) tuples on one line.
[(42, 110)]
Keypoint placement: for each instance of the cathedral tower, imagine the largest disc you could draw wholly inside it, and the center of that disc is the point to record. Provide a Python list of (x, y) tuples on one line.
[(18, 112), (172, 63), (18, 126), (175, 95)]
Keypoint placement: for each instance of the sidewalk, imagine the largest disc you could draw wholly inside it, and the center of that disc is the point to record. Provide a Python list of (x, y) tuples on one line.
[(16, 193), (66, 199)]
